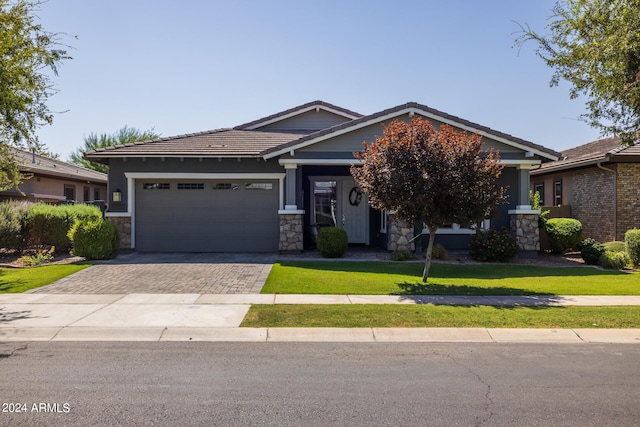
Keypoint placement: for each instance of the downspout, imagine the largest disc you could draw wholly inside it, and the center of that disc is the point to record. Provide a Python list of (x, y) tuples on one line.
[(615, 198)]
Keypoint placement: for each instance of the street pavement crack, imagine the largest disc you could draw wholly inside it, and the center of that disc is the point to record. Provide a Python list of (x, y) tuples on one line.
[(489, 404), (7, 353)]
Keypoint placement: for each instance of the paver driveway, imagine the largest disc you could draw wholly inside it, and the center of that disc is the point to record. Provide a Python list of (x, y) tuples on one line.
[(175, 273)]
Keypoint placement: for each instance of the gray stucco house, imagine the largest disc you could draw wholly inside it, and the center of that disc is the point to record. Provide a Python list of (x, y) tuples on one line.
[(267, 185)]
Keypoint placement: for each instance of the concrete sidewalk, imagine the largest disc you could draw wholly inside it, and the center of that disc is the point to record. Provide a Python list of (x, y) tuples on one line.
[(216, 317)]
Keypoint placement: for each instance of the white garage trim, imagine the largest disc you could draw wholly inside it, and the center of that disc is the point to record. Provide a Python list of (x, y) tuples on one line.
[(131, 187)]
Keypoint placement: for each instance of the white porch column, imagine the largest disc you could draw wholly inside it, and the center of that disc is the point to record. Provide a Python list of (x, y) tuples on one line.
[(290, 191), (291, 218), (523, 188)]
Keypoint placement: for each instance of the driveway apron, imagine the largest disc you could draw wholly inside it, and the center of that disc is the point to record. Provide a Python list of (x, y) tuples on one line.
[(169, 273)]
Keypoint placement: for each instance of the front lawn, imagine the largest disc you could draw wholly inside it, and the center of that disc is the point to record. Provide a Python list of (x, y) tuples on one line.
[(17, 280), (430, 316), (400, 278)]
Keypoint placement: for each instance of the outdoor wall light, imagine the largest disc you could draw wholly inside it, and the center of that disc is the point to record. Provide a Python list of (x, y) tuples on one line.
[(117, 196)]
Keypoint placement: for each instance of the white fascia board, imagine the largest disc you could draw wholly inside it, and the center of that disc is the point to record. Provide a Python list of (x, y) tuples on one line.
[(505, 141), (338, 162), (196, 175), (301, 111), (411, 110), (516, 162)]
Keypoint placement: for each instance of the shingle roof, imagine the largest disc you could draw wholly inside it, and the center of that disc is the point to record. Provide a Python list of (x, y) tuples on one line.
[(601, 150), (414, 105), (298, 108), (41, 165), (214, 143)]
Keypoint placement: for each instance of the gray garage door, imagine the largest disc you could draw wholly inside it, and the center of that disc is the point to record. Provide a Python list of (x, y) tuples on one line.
[(207, 216)]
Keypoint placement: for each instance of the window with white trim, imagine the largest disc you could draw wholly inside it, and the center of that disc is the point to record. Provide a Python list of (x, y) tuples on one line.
[(384, 219)]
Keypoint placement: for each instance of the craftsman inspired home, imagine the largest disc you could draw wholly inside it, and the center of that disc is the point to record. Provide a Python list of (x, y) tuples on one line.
[(52, 181), (269, 184), (599, 184)]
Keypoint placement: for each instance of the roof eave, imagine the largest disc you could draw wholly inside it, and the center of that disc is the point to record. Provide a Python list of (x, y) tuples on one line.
[(409, 108)]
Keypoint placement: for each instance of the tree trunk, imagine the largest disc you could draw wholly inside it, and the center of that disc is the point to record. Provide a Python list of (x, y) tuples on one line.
[(427, 259)]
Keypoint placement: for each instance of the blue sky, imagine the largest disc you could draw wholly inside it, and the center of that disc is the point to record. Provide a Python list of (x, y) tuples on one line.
[(193, 65)]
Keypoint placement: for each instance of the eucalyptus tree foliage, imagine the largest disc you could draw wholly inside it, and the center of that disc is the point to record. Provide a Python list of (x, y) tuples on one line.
[(595, 46), (27, 51), (125, 135)]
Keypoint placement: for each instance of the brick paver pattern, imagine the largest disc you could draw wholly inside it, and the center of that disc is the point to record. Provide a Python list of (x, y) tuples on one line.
[(169, 274)]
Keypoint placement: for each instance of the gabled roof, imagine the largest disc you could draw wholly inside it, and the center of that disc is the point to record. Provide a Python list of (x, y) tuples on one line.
[(213, 143), (314, 105), (408, 108), (602, 150), (41, 165)]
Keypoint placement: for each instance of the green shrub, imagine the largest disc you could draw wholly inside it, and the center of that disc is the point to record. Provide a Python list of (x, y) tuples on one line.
[(615, 247), (564, 233), (632, 243), (591, 250), (39, 258), (332, 242), (12, 222), (402, 256), (50, 224), (94, 239), (614, 260), (493, 246), (439, 252)]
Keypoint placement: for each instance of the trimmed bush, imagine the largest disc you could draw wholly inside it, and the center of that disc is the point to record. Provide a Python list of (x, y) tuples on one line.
[(615, 247), (564, 233), (12, 221), (591, 250), (493, 246), (632, 243), (402, 256), (614, 260), (94, 239), (439, 252), (332, 242), (49, 225)]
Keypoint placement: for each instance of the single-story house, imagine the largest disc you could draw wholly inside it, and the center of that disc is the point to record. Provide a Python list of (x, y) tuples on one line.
[(600, 182), (267, 185), (51, 181)]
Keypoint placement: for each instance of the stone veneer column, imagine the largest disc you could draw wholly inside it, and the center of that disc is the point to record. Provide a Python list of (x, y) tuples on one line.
[(123, 225), (525, 228), (400, 235), (291, 235)]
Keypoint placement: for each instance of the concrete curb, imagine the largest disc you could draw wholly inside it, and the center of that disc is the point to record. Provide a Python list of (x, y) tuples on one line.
[(335, 335)]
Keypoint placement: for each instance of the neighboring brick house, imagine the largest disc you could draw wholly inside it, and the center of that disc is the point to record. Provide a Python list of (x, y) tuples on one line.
[(52, 181), (600, 181)]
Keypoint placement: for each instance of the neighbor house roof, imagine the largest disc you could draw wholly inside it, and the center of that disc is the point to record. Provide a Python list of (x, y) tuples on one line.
[(46, 166), (603, 150), (410, 107)]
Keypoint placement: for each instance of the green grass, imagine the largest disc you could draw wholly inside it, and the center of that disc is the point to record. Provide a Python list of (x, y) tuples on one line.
[(17, 280), (399, 278), (402, 316)]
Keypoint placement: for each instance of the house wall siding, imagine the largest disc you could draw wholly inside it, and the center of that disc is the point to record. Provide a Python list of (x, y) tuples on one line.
[(593, 202), (311, 120), (628, 205)]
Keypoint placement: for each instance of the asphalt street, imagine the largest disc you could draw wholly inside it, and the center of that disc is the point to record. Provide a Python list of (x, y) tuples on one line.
[(314, 384)]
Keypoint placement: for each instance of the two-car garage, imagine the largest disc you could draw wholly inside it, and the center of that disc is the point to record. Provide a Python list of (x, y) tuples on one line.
[(206, 215)]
